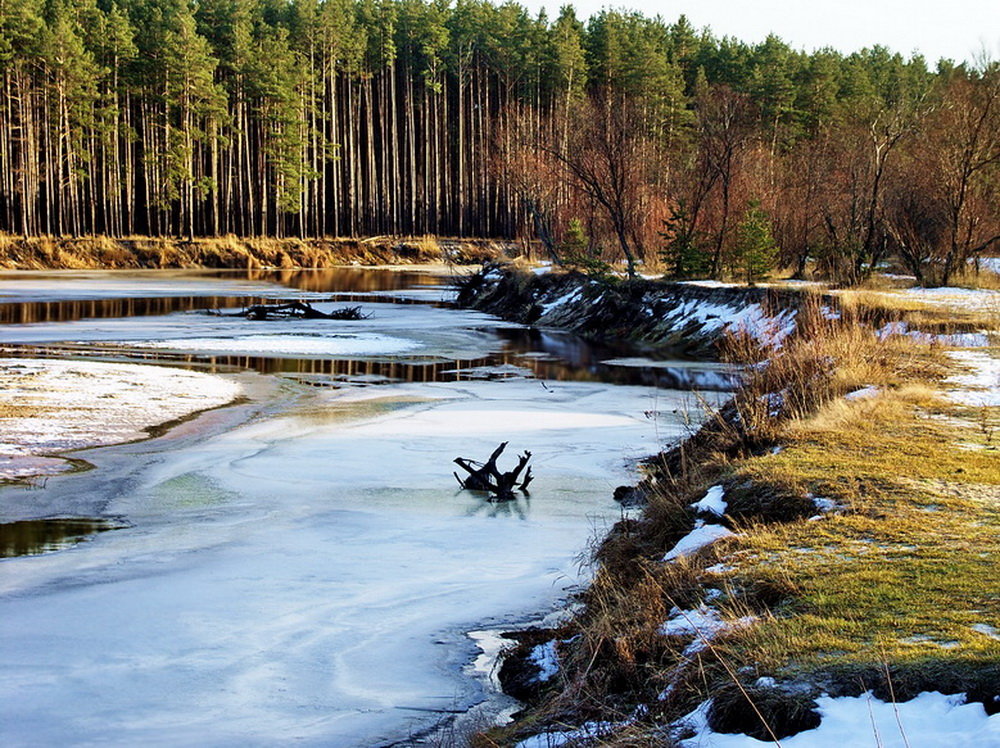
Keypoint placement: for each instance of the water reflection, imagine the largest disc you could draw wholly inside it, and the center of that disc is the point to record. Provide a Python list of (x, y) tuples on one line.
[(519, 507), (36, 536), (26, 312), (343, 284), (541, 354), (528, 353), (345, 279)]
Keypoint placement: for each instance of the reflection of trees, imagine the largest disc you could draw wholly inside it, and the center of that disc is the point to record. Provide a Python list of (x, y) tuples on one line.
[(343, 279)]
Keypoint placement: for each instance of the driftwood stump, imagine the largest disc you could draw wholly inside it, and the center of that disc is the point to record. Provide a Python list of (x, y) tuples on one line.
[(487, 476), (297, 310)]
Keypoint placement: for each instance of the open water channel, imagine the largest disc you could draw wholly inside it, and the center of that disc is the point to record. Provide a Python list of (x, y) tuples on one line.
[(300, 566)]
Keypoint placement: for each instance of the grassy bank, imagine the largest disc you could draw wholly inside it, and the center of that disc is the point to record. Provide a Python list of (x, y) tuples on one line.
[(106, 253), (864, 507)]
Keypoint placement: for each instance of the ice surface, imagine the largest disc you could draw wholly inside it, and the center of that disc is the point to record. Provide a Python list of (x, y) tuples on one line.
[(391, 329), (930, 720), (360, 344), (291, 580), (309, 576)]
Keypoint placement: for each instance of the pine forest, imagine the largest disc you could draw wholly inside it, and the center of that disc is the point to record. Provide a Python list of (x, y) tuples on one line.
[(622, 138)]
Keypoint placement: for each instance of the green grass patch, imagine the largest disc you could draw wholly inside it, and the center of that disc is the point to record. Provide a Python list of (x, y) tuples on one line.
[(905, 572)]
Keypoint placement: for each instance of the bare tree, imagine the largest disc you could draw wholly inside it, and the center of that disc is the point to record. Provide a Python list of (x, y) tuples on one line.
[(608, 160), (726, 127)]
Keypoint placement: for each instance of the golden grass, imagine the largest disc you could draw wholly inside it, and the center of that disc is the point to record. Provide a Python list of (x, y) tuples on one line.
[(13, 410), (906, 570), (101, 252), (984, 279)]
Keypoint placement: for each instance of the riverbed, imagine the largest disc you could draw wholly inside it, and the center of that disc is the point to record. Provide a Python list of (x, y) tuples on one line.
[(300, 565)]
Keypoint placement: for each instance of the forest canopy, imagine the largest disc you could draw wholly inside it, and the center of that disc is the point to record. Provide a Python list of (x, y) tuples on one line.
[(357, 117)]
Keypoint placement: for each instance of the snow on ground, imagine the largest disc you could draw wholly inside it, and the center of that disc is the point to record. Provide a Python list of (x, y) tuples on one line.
[(703, 624), (713, 502), (702, 620), (963, 299), (864, 393), (295, 579), (545, 658), (981, 386), (989, 263), (590, 731), (953, 340), (49, 406), (931, 720), (750, 319), (702, 535)]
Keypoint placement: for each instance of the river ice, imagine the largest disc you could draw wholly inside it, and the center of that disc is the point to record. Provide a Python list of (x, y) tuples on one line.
[(46, 285), (309, 575), (390, 329)]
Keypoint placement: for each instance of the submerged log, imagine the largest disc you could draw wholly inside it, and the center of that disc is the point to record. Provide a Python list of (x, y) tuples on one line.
[(487, 476), (297, 310)]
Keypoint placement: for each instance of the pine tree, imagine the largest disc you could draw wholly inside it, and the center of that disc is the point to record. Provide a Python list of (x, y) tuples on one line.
[(684, 251), (755, 251)]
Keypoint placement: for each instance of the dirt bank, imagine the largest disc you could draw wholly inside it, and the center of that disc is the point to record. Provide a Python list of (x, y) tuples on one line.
[(685, 317)]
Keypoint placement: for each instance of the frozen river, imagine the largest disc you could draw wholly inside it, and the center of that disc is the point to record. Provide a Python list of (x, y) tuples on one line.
[(300, 566)]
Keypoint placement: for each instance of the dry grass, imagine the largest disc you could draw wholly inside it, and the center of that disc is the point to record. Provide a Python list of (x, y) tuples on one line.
[(905, 570), (100, 252), (984, 279), (879, 300), (889, 586)]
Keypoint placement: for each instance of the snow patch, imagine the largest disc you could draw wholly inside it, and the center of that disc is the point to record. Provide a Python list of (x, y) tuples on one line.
[(981, 386), (76, 404), (713, 502), (930, 720), (703, 623), (545, 658), (587, 731), (986, 630), (988, 263), (954, 340), (865, 393), (702, 535), (567, 298)]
